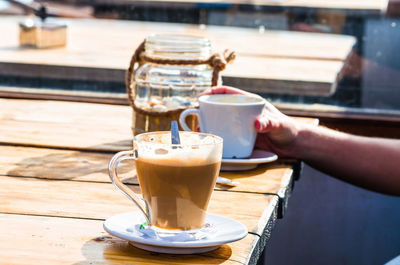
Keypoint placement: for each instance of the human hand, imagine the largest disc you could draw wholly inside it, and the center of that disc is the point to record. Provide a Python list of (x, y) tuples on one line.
[(276, 131), (226, 90)]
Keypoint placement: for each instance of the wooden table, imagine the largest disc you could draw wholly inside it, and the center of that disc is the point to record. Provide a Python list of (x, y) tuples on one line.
[(55, 191), (100, 50)]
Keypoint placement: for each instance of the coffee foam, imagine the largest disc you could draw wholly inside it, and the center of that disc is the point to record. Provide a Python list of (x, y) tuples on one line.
[(195, 150), (233, 99)]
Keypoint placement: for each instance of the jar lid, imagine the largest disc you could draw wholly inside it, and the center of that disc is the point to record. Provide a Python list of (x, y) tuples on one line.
[(184, 47), (48, 25)]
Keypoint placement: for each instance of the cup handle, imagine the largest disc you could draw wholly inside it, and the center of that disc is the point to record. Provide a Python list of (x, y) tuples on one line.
[(183, 116), (112, 169)]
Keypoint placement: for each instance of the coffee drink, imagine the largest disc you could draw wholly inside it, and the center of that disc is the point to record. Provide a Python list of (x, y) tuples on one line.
[(178, 193), (177, 180), (234, 99)]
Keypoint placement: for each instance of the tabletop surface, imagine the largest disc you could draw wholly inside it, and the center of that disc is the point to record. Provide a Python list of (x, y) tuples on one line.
[(267, 61), (56, 192)]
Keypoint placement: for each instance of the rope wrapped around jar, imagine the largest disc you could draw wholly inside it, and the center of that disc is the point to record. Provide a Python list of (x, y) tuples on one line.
[(217, 61)]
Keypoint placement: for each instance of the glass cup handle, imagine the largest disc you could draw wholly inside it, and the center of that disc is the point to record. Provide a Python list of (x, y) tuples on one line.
[(187, 112), (112, 169)]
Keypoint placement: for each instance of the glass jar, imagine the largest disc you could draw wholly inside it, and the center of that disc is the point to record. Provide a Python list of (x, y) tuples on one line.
[(163, 89)]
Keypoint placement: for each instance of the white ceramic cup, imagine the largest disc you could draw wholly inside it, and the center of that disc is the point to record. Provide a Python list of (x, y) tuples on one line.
[(230, 116)]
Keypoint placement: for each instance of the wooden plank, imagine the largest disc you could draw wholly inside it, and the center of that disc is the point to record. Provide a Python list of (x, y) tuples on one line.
[(60, 164), (93, 167), (44, 163), (311, 77), (68, 125), (276, 178), (285, 62), (65, 125), (101, 200), (72, 113), (268, 75), (90, 47), (30, 133), (50, 240), (64, 95)]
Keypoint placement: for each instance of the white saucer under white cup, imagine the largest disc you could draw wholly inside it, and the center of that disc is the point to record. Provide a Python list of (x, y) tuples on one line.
[(225, 230), (240, 164)]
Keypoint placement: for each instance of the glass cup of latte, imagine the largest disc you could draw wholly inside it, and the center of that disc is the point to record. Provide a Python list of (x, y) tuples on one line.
[(176, 180)]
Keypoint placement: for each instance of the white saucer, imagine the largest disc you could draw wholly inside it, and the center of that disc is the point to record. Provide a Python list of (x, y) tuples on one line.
[(256, 158), (225, 230)]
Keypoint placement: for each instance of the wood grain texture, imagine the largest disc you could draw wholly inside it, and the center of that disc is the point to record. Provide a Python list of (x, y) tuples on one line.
[(68, 125), (89, 37), (274, 179), (63, 95), (89, 166), (308, 62), (65, 125), (102, 200), (59, 164), (53, 200), (73, 125), (49, 240)]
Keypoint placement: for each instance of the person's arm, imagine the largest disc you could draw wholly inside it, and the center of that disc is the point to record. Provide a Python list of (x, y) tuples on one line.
[(393, 8), (372, 163)]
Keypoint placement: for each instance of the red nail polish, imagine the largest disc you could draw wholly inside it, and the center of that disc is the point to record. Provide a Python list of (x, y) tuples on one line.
[(257, 125)]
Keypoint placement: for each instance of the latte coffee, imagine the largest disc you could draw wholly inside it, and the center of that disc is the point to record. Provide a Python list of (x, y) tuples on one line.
[(178, 194), (177, 180), (234, 99)]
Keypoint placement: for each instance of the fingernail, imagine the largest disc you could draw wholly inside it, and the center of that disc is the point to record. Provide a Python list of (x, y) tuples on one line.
[(258, 125)]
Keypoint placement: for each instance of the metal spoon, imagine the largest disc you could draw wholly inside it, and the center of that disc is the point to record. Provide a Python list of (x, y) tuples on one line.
[(175, 133), (227, 182)]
